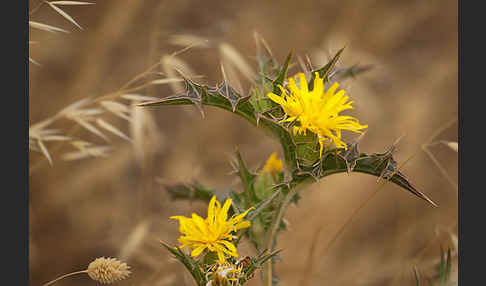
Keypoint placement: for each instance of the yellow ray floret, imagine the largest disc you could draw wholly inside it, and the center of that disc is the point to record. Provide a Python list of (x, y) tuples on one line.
[(212, 233), (317, 110)]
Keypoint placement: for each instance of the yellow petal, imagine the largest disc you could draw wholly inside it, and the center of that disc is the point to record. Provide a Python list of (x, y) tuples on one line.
[(231, 248), (303, 83), (198, 250), (223, 215), (277, 99), (221, 258), (211, 209), (243, 224)]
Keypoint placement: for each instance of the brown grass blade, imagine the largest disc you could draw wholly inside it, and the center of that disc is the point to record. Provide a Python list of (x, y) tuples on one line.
[(100, 151), (166, 81), (86, 149), (56, 138), (230, 54), (453, 145), (231, 77), (45, 27), (75, 105), (138, 97), (189, 41), (33, 145), (134, 240), (260, 40), (64, 14), (90, 127), (107, 126), (174, 67), (33, 61), (44, 151), (136, 132), (114, 106), (37, 127), (119, 109), (87, 112), (71, 3)]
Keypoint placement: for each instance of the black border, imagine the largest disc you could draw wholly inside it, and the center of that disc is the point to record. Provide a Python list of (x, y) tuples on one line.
[(15, 121), (471, 77)]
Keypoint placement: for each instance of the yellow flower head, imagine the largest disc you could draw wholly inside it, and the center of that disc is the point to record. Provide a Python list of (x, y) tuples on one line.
[(273, 164), (212, 233), (317, 110)]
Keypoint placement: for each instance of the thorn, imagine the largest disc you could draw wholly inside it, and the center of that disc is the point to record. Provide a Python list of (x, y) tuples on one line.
[(399, 139)]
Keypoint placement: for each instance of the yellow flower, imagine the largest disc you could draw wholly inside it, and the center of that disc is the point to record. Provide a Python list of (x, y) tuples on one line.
[(317, 110), (212, 233), (273, 164)]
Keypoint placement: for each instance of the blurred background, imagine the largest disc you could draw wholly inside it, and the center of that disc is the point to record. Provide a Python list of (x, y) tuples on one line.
[(114, 203)]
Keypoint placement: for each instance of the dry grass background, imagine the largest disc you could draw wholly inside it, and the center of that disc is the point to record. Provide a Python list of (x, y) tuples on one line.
[(114, 206)]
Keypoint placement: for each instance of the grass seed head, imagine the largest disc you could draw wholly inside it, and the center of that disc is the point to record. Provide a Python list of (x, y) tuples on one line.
[(108, 270)]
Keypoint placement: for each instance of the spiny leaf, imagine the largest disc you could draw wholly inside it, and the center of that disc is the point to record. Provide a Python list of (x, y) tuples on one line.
[(203, 95), (194, 191), (379, 165), (332, 162), (247, 178), (262, 205), (265, 183), (226, 91), (259, 99), (191, 265), (256, 263), (350, 72), (307, 148), (324, 71), (282, 75)]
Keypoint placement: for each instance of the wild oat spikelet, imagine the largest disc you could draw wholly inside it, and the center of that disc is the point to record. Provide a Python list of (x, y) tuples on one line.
[(108, 270)]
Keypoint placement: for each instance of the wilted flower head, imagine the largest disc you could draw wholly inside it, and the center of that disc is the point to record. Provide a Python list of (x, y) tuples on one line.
[(317, 110), (273, 164), (212, 233), (221, 273), (108, 270)]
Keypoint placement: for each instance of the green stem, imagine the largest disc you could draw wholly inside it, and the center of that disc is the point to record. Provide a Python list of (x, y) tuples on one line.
[(272, 235)]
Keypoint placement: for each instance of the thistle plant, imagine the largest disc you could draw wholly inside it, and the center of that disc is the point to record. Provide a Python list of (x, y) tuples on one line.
[(305, 114)]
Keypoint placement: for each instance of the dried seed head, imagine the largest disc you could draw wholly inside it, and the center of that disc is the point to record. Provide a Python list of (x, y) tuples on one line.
[(108, 270)]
